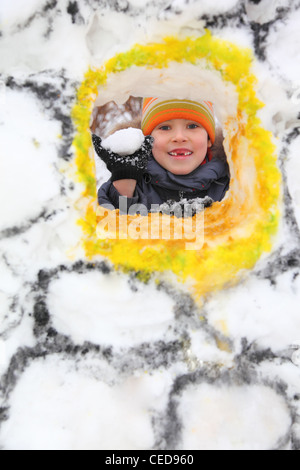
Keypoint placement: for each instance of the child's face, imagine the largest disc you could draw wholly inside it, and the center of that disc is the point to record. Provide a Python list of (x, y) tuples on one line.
[(180, 145)]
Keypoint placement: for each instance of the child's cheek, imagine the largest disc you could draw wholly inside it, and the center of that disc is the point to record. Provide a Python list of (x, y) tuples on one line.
[(159, 155), (156, 149)]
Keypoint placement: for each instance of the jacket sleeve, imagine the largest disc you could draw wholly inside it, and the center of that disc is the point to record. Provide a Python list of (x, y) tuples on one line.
[(215, 170), (108, 195), (219, 174)]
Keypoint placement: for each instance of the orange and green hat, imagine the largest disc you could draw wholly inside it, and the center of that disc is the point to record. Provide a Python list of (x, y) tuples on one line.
[(158, 110)]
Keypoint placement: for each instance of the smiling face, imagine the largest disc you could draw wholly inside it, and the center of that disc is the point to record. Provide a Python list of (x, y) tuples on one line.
[(180, 145)]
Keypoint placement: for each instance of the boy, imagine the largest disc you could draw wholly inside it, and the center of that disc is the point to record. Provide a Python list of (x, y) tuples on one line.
[(174, 162)]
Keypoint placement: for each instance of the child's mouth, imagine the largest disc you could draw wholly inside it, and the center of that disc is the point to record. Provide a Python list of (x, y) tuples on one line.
[(180, 153)]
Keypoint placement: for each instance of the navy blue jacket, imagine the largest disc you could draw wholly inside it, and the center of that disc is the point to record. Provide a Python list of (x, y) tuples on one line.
[(159, 185)]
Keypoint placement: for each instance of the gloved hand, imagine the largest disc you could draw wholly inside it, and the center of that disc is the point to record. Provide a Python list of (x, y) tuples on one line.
[(125, 166)]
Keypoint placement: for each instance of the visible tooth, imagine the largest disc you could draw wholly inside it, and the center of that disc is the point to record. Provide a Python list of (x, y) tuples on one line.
[(178, 154)]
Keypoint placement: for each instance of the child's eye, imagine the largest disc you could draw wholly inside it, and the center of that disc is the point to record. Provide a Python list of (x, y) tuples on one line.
[(192, 126), (165, 128)]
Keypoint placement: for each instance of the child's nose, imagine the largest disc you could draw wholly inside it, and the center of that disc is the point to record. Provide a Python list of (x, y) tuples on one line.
[(179, 135)]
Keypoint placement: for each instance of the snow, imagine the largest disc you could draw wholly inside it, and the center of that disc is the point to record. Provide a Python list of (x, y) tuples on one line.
[(108, 321), (31, 181), (255, 320), (293, 169), (233, 418), (124, 141), (199, 84), (105, 418), (265, 11), (14, 13), (126, 364), (282, 48)]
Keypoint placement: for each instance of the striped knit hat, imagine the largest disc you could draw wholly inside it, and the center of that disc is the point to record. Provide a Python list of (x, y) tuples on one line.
[(158, 110)]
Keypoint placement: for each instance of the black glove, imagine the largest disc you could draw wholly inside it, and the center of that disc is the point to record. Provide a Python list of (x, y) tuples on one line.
[(127, 166)]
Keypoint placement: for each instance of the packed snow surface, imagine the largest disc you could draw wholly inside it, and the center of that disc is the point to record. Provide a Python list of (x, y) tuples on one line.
[(124, 141), (91, 358)]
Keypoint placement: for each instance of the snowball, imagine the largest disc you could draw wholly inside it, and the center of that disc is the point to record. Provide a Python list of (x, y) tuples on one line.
[(125, 141)]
